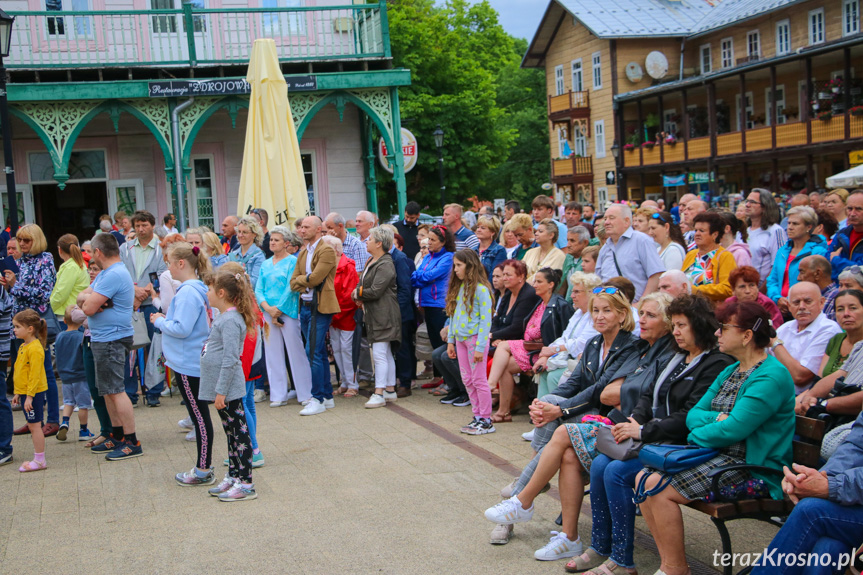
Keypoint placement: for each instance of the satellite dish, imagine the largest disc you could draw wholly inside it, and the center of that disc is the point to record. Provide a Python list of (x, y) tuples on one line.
[(634, 72), (657, 65)]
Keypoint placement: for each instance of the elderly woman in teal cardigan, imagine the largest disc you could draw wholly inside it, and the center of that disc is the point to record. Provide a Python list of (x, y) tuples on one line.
[(747, 415)]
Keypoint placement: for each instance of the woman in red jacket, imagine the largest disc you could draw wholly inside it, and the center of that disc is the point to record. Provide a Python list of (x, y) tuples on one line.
[(343, 324)]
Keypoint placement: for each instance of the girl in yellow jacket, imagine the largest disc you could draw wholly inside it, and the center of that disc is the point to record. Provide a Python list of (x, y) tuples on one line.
[(30, 381)]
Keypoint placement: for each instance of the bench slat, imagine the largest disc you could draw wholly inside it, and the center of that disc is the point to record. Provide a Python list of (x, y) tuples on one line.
[(812, 429)]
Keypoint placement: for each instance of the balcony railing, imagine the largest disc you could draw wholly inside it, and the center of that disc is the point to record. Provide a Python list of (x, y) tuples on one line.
[(571, 104), (575, 169), (193, 36), (759, 139)]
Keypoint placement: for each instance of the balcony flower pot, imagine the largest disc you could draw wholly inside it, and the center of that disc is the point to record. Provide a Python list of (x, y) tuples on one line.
[(648, 145), (670, 140), (628, 147), (856, 111), (835, 89), (825, 116)]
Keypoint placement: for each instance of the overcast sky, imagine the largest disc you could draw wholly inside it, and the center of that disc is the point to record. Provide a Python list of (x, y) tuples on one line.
[(520, 17)]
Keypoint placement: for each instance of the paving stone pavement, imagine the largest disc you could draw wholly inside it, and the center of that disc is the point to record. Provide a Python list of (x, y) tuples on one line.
[(392, 490)]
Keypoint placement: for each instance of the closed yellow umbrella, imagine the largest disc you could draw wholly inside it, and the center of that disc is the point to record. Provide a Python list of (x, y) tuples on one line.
[(272, 174)]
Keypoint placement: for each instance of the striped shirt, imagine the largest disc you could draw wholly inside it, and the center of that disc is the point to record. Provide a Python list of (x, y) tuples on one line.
[(356, 250)]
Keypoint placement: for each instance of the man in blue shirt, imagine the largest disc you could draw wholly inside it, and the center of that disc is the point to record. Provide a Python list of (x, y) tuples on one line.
[(464, 238), (543, 207), (108, 303)]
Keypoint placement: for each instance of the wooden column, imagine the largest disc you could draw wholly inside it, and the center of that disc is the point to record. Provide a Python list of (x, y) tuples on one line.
[(685, 116), (810, 173), (774, 177), (711, 117), (807, 113), (640, 132), (742, 112), (846, 92), (773, 116)]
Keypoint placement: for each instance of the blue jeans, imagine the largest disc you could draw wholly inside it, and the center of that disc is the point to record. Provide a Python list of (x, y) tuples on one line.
[(5, 425), (53, 394), (406, 359), (132, 377), (322, 387), (611, 484), (251, 414), (815, 526)]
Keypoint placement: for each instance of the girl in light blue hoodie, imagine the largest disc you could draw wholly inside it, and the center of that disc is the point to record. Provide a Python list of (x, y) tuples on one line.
[(184, 330)]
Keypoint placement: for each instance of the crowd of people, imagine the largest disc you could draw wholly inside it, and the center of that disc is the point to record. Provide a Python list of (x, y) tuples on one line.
[(693, 324)]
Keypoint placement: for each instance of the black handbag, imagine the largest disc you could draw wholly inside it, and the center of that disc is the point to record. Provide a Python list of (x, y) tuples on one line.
[(51, 323)]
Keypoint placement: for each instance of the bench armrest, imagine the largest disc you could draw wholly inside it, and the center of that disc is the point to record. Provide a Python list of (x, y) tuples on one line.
[(715, 474)]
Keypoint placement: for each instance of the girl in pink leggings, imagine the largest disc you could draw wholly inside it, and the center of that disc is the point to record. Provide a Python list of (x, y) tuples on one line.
[(469, 305)]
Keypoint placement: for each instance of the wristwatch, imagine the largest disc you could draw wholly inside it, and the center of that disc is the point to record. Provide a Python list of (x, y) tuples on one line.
[(822, 403), (776, 344)]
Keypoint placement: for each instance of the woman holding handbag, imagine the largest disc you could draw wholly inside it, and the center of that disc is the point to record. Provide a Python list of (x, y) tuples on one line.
[(747, 414), (658, 417), (544, 325)]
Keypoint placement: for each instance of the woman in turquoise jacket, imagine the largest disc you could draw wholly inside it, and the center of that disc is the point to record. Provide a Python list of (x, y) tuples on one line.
[(747, 415), (801, 243)]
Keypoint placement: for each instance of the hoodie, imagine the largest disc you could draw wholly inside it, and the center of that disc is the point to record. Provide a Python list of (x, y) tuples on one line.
[(185, 328), (432, 278), (741, 253), (814, 247)]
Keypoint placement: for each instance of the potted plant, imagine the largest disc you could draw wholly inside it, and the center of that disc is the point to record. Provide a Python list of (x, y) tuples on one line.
[(670, 139), (628, 147), (835, 84), (825, 116), (648, 144), (856, 111)]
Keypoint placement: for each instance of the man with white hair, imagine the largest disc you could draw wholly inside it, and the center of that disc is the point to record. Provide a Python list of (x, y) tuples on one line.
[(336, 225), (628, 253), (365, 221), (674, 283)]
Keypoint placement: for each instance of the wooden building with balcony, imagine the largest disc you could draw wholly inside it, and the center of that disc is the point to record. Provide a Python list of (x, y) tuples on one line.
[(709, 97), (93, 86)]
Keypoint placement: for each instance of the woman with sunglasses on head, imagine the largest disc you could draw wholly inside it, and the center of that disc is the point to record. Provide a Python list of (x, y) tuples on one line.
[(669, 239), (747, 415), (851, 278), (570, 447), (545, 324)]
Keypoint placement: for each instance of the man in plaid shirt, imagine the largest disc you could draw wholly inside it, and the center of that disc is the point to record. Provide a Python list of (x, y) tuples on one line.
[(353, 248)]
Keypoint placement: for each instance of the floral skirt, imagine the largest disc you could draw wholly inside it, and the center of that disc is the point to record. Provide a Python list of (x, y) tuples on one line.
[(583, 438)]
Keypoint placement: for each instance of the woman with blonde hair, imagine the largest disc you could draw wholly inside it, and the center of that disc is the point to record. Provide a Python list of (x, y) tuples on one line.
[(168, 286), (213, 248), (72, 277), (546, 254), (834, 203), (31, 288), (248, 253), (641, 218)]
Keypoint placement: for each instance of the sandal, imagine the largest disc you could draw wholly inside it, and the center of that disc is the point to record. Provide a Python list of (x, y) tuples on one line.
[(29, 466), (98, 440), (442, 390), (501, 418), (587, 560), (351, 392), (609, 567), (339, 391)]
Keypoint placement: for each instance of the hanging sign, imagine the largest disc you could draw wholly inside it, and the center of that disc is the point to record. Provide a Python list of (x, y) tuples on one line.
[(672, 181), (409, 151), (222, 87), (700, 177)]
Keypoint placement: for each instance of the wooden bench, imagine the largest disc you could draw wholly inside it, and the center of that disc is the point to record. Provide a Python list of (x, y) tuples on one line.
[(807, 451)]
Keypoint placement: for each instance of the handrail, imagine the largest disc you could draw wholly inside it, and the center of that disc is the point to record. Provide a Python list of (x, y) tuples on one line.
[(44, 39)]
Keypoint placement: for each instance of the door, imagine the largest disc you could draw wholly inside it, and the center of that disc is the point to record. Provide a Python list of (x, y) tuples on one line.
[(73, 210), (580, 141), (780, 105), (25, 204), (203, 193), (126, 196), (748, 111), (68, 27), (310, 176), (168, 42)]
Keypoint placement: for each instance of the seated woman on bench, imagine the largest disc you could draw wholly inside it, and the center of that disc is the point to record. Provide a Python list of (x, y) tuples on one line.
[(747, 415)]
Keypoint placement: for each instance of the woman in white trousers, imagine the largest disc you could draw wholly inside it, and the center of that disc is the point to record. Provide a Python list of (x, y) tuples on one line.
[(281, 312)]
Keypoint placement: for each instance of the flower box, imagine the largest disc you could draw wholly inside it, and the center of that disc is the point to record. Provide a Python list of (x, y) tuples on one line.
[(825, 116), (628, 147), (648, 145)]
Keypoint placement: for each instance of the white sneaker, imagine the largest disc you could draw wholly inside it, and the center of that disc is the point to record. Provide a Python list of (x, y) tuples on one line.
[(75, 410), (278, 403), (186, 423), (508, 512), (559, 547), (292, 395), (376, 400), (190, 436), (166, 392), (329, 403), (390, 396), (529, 435), (260, 396), (305, 402), (313, 408), (500, 534)]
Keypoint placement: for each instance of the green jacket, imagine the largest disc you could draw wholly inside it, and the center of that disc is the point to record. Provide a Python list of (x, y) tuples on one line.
[(763, 415)]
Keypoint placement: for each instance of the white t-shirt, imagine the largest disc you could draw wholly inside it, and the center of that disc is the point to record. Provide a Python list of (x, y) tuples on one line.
[(672, 256), (808, 346), (763, 245)]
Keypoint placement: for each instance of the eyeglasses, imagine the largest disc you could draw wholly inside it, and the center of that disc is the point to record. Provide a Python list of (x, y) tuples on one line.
[(608, 290), (724, 326), (656, 216), (753, 203), (24, 240)]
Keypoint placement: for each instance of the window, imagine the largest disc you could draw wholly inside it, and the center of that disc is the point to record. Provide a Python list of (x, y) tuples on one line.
[(577, 76), (727, 49), (597, 70), (283, 23), (601, 197), (580, 141), (81, 25), (850, 17), (86, 165), (203, 191), (163, 23), (670, 121), (783, 37), (780, 105), (599, 138), (753, 45), (559, 88), (706, 60), (561, 142), (309, 175), (747, 112), (816, 26)]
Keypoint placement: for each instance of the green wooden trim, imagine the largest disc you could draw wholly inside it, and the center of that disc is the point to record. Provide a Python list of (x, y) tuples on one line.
[(49, 145), (385, 31), (224, 103), (398, 152), (131, 89)]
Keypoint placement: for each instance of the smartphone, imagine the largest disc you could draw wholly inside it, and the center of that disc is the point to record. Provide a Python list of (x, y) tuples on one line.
[(616, 416), (154, 280)]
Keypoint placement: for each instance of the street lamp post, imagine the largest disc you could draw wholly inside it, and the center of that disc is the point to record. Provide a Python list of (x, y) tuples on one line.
[(438, 142), (6, 22)]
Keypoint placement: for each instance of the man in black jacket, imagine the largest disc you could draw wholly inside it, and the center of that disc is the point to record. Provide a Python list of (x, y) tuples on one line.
[(408, 230)]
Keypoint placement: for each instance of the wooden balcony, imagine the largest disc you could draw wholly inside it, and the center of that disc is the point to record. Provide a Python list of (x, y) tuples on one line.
[(760, 139), (574, 170), (569, 105)]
